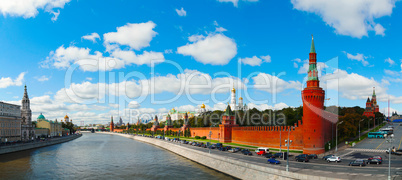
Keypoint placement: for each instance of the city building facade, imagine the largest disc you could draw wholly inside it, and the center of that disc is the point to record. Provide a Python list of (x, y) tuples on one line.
[(10, 122)]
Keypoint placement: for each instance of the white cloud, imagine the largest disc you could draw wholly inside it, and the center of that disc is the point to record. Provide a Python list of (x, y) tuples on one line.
[(136, 36), (235, 2), (262, 107), (255, 61), (274, 84), (91, 37), (29, 8), (351, 18), (358, 57), (134, 104), (390, 61), (168, 51), (63, 58), (7, 81), (43, 78), (215, 49), (181, 12), (89, 78)]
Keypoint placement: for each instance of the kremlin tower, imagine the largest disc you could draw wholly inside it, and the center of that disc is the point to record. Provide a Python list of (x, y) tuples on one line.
[(313, 105), (111, 125)]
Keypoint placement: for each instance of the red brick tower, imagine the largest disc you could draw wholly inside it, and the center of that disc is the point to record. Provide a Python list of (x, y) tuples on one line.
[(228, 122), (111, 125), (313, 105)]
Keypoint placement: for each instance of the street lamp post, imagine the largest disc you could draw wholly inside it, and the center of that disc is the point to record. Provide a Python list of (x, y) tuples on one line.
[(390, 139), (359, 128), (336, 143), (210, 136), (287, 143)]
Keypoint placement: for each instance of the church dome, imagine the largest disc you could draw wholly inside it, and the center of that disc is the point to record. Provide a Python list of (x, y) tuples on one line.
[(66, 117), (41, 116), (240, 98), (234, 90), (203, 105)]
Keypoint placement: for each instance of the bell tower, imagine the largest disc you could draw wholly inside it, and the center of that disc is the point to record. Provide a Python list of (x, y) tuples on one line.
[(313, 104), (27, 129)]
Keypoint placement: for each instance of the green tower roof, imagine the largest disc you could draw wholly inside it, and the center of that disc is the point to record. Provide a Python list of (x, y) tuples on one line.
[(228, 111), (312, 49), (41, 116)]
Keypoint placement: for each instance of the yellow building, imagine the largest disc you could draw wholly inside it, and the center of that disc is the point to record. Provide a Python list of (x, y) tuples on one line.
[(54, 127), (41, 132)]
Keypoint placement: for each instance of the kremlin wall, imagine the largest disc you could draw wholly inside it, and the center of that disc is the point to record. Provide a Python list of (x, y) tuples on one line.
[(309, 134)]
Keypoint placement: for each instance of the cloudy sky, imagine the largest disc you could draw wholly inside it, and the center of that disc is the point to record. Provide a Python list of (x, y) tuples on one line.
[(94, 59)]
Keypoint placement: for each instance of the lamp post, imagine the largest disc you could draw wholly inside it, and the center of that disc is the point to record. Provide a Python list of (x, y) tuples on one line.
[(210, 136), (359, 128), (287, 143), (390, 139), (336, 143)]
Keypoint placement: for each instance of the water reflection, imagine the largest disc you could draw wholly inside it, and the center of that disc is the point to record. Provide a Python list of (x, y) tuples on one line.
[(102, 156)]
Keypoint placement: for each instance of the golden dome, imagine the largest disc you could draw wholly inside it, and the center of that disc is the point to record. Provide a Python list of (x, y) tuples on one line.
[(240, 98), (202, 105), (234, 90), (66, 117)]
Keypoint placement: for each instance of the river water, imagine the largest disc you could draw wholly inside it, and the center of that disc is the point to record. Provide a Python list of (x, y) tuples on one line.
[(102, 156)]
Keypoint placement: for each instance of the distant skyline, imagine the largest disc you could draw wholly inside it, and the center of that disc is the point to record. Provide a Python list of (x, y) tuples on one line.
[(145, 48)]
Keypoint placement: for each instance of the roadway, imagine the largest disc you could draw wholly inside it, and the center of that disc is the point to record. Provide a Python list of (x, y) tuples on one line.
[(320, 167), (381, 144)]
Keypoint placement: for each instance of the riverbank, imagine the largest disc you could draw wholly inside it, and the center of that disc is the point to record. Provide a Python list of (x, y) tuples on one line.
[(235, 167), (23, 147)]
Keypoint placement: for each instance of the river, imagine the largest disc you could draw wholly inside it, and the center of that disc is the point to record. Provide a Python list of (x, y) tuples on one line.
[(102, 156)]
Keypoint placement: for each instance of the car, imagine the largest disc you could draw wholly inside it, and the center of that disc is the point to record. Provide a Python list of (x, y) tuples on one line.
[(261, 153), (374, 161), (278, 155), (262, 149), (222, 149), (334, 159), (228, 147), (246, 152), (312, 156), (219, 145), (212, 146), (268, 155), (375, 157), (233, 150), (301, 156), (302, 159), (327, 156), (273, 161), (393, 153), (204, 146), (358, 162)]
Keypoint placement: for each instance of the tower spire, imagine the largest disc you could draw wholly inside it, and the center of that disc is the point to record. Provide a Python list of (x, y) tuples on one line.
[(312, 49), (373, 91), (25, 92)]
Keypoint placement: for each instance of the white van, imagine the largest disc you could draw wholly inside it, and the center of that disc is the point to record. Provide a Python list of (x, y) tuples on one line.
[(262, 149)]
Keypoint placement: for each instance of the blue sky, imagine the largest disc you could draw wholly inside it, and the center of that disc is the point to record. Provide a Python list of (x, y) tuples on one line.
[(356, 42)]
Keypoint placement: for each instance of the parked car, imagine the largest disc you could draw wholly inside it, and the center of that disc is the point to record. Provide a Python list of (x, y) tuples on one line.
[(302, 159), (268, 155), (213, 146), (312, 156), (327, 156), (261, 153), (262, 149), (228, 147), (301, 156), (273, 161), (233, 150), (374, 161), (278, 155), (375, 157), (219, 145), (222, 148), (246, 152), (204, 146), (334, 159), (357, 162)]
